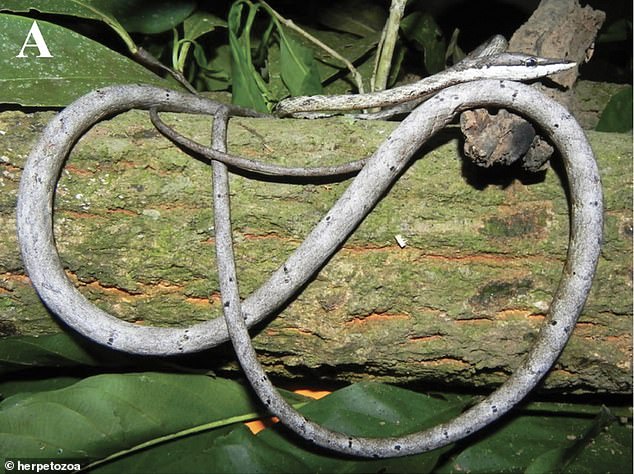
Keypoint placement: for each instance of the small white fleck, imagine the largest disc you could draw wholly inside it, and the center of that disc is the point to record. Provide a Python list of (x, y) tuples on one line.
[(400, 240), (2, 132), (79, 196)]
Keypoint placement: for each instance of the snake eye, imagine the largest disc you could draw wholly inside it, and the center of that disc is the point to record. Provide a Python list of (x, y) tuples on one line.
[(530, 62)]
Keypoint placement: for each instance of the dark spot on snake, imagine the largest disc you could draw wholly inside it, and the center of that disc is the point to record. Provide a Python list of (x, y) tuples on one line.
[(397, 447), (268, 402), (530, 62), (285, 268), (349, 442), (227, 304), (494, 409), (553, 323)]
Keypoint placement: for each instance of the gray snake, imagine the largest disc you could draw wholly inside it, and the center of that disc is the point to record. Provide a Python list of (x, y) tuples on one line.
[(35, 210)]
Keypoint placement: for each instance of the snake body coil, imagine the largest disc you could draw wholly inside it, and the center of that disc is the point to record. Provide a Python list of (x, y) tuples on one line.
[(35, 208)]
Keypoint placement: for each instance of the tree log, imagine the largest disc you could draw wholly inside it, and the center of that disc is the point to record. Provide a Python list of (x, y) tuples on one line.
[(457, 306)]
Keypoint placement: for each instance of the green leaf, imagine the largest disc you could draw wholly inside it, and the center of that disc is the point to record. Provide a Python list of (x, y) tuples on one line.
[(53, 351), (366, 409), (215, 72), (197, 25), (617, 115), (140, 16), (81, 9), (106, 414), (423, 31), (298, 66), (334, 74), (555, 443), (555, 460), (15, 387), (78, 65), (123, 16), (608, 451), (275, 83), (358, 17), (248, 87), (201, 23)]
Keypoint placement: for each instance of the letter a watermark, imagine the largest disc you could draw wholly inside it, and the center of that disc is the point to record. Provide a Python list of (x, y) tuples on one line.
[(40, 44)]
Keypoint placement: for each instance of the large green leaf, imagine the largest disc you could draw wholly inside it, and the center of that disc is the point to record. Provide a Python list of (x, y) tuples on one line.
[(123, 16), (77, 66), (76, 8), (365, 409), (53, 351), (298, 67), (192, 423), (26, 386), (106, 414)]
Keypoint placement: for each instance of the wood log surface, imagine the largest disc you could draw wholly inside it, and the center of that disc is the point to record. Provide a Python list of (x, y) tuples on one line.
[(457, 306)]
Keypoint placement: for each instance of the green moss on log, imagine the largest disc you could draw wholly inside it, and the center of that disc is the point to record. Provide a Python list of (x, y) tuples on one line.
[(459, 305)]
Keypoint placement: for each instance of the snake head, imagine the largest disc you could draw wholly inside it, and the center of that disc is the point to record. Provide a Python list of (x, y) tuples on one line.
[(516, 66)]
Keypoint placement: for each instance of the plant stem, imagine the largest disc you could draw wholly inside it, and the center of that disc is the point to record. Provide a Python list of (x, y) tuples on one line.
[(387, 44)]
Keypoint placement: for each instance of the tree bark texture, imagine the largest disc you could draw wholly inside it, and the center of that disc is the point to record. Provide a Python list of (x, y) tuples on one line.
[(458, 305)]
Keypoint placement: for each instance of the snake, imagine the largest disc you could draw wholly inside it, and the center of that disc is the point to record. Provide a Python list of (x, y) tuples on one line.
[(487, 82), (489, 61)]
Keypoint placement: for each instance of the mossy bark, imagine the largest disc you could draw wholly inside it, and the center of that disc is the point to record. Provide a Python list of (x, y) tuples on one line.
[(459, 305)]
